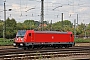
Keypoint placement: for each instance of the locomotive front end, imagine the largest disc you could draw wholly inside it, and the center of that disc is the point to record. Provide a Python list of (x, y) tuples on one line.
[(19, 39)]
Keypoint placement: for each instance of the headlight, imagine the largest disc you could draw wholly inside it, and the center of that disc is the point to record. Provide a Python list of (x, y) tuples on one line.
[(14, 44), (21, 44), (21, 38), (17, 38)]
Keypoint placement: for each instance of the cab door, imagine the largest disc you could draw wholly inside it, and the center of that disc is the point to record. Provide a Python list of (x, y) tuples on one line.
[(29, 37), (32, 37)]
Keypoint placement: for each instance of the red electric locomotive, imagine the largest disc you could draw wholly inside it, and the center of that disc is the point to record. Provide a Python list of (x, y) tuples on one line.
[(38, 39)]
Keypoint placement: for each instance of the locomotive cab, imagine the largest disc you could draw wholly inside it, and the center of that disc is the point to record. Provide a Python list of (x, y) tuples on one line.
[(19, 39), (24, 38)]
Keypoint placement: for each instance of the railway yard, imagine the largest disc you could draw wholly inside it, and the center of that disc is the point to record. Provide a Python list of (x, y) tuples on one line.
[(80, 51), (44, 30)]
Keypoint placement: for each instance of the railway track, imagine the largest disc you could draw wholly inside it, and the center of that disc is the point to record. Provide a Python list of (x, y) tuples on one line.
[(13, 54)]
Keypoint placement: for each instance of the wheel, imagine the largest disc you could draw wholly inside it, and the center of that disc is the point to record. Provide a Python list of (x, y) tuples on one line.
[(32, 46), (66, 46), (24, 48)]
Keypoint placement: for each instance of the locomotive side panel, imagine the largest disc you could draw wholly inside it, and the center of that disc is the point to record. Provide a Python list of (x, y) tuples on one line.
[(49, 37)]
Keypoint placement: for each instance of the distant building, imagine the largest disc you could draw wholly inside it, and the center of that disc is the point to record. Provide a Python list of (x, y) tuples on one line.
[(44, 25)]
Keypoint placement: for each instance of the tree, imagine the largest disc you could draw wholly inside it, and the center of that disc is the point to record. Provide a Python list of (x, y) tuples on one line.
[(1, 28), (19, 26), (88, 29), (57, 26), (10, 28), (29, 24), (67, 23), (80, 29)]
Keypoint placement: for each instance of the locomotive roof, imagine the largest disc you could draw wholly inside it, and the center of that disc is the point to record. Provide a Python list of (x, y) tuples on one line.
[(51, 32), (56, 32)]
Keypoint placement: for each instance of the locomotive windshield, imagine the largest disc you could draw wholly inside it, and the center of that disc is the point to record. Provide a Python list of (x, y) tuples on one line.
[(21, 33)]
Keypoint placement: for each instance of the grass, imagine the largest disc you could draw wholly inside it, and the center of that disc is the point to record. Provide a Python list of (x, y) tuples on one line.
[(82, 40), (5, 42)]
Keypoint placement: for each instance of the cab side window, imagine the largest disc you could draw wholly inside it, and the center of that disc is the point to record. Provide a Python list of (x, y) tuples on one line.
[(29, 34), (71, 35)]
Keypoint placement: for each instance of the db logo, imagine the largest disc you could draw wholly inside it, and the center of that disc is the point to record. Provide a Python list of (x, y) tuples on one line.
[(52, 37)]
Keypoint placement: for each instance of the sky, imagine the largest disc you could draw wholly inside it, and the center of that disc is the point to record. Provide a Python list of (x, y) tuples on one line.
[(31, 10)]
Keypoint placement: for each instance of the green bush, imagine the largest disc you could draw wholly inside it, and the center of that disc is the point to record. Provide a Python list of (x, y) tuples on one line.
[(6, 41), (82, 40)]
